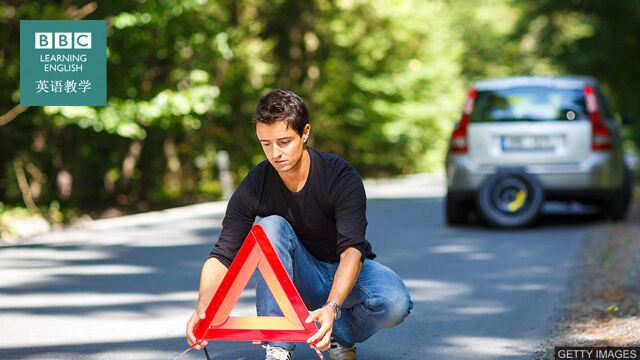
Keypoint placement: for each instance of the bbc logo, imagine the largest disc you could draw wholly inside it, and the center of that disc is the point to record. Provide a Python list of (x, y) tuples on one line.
[(63, 40)]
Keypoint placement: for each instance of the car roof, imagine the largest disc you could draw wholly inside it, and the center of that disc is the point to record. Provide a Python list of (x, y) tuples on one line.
[(564, 82)]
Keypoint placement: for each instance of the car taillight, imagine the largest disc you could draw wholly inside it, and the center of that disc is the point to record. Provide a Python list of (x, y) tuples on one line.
[(459, 137), (600, 133)]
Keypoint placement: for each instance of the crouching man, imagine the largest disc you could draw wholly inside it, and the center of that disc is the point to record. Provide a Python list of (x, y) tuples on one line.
[(313, 209)]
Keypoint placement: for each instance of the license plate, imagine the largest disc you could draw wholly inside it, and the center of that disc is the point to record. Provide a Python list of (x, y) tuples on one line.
[(545, 143)]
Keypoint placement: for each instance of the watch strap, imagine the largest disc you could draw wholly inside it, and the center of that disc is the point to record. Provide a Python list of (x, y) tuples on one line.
[(336, 308)]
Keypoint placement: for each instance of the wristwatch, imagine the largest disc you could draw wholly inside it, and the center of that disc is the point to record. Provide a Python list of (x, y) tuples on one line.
[(336, 308)]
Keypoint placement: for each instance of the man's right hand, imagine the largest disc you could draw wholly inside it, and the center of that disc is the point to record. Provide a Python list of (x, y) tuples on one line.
[(199, 314), (213, 271)]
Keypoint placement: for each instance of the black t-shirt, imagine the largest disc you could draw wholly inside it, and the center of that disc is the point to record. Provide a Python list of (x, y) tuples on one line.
[(328, 215)]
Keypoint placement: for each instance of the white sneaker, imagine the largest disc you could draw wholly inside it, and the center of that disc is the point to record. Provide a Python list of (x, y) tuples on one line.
[(277, 353), (339, 352)]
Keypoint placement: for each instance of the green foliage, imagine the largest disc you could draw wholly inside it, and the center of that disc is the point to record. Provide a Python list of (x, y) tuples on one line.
[(389, 87), (384, 81), (589, 37)]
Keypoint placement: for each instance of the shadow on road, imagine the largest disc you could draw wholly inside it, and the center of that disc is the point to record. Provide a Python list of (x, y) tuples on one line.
[(479, 292)]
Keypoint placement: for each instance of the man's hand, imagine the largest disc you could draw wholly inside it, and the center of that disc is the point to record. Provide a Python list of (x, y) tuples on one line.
[(343, 282), (213, 271), (325, 316), (191, 324)]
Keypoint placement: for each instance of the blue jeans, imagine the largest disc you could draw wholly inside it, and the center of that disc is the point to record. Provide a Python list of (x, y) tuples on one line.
[(378, 300)]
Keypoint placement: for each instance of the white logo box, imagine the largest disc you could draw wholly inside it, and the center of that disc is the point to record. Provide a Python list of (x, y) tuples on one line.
[(63, 40)]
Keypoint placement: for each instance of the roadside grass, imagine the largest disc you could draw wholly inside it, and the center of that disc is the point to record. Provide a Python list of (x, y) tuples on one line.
[(16, 222), (604, 307)]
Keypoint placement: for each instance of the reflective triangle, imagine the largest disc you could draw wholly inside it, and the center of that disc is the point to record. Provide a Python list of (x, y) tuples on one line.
[(256, 252)]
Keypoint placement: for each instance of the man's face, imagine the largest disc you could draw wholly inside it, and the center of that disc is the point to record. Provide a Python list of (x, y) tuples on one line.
[(281, 144)]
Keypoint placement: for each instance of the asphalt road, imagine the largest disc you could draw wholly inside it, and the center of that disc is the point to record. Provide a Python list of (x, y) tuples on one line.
[(124, 288)]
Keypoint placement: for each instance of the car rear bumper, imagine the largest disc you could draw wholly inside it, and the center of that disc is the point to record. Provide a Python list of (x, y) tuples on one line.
[(599, 173)]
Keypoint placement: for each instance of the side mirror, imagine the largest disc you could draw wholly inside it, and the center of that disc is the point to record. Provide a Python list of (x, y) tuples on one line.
[(628, 119)]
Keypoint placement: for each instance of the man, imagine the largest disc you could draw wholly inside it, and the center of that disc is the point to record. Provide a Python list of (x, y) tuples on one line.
[(312, 206)]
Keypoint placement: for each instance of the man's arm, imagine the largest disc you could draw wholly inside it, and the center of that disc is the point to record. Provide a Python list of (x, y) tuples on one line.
[(346, 275), (237, 222), (350, 201), (213, 271), (343, 282)]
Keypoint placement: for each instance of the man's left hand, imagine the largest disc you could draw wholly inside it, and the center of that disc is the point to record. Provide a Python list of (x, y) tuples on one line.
[(325, 316)]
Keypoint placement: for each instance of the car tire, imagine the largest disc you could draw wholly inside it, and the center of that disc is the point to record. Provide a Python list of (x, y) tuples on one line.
[(456, 212), (510, 199), (618, 208)]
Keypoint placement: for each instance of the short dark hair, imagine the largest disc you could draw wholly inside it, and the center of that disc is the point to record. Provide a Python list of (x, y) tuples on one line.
[(282, 105)]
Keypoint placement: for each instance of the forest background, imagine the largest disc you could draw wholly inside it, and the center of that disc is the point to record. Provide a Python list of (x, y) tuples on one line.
[(384, 81)]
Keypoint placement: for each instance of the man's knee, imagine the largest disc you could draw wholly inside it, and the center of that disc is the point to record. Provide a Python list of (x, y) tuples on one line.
[(276, 228), (387, 311), (396, 308)]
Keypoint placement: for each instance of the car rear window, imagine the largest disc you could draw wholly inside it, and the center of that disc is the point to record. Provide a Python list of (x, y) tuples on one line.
[(529, 103)]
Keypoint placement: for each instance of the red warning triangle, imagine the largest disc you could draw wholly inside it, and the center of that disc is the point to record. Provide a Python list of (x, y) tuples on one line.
[(256, 252)]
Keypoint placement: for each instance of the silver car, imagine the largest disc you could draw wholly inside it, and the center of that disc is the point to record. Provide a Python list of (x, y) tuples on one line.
[(524, 140)]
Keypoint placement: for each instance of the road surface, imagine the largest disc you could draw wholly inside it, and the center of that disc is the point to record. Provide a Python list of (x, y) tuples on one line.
[(124, 288)]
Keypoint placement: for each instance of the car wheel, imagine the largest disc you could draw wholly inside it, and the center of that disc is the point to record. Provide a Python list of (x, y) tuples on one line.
[(510, 199), (455, 211), (618, 208)]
